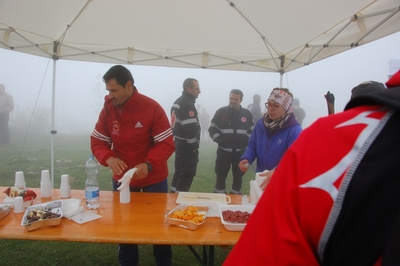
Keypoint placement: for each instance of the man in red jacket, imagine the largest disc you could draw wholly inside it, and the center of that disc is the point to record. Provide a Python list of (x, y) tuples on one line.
[(334, 198), (133, 131)]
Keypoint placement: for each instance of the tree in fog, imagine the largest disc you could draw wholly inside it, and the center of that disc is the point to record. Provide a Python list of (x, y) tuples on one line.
[(99, 92), (25, 120)]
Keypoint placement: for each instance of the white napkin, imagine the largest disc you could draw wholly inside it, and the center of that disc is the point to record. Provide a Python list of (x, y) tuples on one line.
[(86, 216), (126, 179), (213, 208), (71, 207)]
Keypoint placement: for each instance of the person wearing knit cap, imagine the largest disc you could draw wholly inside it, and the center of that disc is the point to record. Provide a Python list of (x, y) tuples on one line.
[(366, 87), (272, 135)]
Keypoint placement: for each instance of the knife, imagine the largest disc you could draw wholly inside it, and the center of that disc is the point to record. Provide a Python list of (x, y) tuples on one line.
[(196, 197)]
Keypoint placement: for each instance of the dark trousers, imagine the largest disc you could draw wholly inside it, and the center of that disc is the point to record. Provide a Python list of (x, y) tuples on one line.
[(4, 134), (128, 254), (225, 160), (185, 167)]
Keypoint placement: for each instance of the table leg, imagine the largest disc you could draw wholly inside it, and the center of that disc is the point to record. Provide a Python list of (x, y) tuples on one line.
[(208, 255)]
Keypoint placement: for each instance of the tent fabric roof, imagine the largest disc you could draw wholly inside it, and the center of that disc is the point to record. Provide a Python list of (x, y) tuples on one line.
[(257, 35)]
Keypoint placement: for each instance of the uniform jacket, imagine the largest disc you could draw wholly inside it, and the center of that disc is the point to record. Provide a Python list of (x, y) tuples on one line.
[(137, 132), (334, 199), (231, 128), (185, 122), (269, 147)]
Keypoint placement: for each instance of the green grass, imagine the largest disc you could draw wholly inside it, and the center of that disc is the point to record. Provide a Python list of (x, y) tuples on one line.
[(71, 152)]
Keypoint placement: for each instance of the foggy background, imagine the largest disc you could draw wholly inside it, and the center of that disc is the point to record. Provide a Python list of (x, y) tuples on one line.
[(80, 89)]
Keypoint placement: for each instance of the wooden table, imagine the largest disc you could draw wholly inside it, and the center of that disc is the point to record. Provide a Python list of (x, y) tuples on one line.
[(139, 222)]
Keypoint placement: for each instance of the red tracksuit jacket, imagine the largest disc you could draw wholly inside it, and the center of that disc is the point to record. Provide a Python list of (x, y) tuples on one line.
[(136, 133)]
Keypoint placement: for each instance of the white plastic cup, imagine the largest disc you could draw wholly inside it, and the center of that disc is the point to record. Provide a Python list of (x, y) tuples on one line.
[(20, 180), (45, 190), (65, 188), (45, 184), (125, 195), (19, 204), (64, 181), (45, 177)]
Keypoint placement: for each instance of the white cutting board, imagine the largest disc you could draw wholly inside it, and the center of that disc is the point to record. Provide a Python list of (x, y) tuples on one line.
[(195, 197)]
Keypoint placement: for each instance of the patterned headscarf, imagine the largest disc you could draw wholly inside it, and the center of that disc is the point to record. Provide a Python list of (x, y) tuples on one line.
[(285, 100), (281, 97)]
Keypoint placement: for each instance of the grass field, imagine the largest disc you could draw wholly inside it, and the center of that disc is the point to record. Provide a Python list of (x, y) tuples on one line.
[(32, 155)]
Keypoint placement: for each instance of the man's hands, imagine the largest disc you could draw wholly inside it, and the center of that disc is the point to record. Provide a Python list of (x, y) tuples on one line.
[(117, 166), (141, 172)]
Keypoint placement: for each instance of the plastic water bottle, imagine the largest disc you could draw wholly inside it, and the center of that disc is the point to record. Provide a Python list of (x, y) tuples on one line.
[(92, 190)]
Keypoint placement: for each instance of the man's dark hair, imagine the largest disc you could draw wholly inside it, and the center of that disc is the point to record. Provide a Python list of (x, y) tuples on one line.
[(366, 87), (239, 92), (188, 83), (120, 73)]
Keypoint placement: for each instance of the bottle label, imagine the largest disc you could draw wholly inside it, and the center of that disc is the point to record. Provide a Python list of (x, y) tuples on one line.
[(91, 194)]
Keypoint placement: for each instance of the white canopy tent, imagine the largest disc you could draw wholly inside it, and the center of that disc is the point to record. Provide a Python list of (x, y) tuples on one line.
[(243, 35)]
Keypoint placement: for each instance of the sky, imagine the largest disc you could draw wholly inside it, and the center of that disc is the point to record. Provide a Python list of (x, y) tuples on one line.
[(80, 91)]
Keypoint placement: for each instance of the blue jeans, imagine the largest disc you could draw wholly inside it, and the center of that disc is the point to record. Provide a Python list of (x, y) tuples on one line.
[(128, 254)]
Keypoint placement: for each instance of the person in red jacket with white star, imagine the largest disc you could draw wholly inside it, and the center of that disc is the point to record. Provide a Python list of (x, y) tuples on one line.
[(334, 198)]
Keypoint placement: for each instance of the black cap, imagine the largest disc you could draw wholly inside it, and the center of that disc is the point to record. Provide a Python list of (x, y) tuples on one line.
[(367, 87)]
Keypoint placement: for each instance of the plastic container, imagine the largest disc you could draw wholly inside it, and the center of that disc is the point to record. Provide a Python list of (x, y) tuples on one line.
[(201, 209), (92, 189), (4, 210), (53, 207), (230, 226)]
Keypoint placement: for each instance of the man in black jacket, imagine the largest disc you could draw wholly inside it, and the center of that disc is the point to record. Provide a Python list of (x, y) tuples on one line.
[(186, 128), (231, 128)]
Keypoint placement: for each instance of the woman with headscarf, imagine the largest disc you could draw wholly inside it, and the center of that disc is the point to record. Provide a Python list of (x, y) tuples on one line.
[(272, 135)]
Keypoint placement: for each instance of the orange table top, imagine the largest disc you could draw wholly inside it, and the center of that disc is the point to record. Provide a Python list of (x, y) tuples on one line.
[(140, 222)]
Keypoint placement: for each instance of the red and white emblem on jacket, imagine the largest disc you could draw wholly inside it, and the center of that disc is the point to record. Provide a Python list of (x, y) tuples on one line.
[(173, 119), (115, 127), (243, 119), (191, 113)]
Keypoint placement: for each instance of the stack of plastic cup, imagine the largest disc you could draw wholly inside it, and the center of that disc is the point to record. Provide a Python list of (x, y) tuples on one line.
[(20, 180), (19, 204), (65, 188), (45, 184)]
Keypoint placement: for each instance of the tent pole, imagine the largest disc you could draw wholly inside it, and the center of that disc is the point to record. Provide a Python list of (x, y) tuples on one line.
[(53, 131), (281, 71)]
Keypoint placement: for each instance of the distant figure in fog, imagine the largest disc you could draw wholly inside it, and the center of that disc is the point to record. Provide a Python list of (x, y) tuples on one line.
[(205, 121), (298, 112), (255, 108), (6, 106)]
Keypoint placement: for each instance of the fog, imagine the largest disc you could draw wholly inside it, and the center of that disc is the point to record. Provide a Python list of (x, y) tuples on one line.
[(80, 91)]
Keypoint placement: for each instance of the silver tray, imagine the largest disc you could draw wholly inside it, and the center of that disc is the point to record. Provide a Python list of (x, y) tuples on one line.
[(4, 210), (53, 206), (201, 209)]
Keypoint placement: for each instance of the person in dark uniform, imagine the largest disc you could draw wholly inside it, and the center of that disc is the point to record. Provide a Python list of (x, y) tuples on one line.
[(231, 128), (186, 128)]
